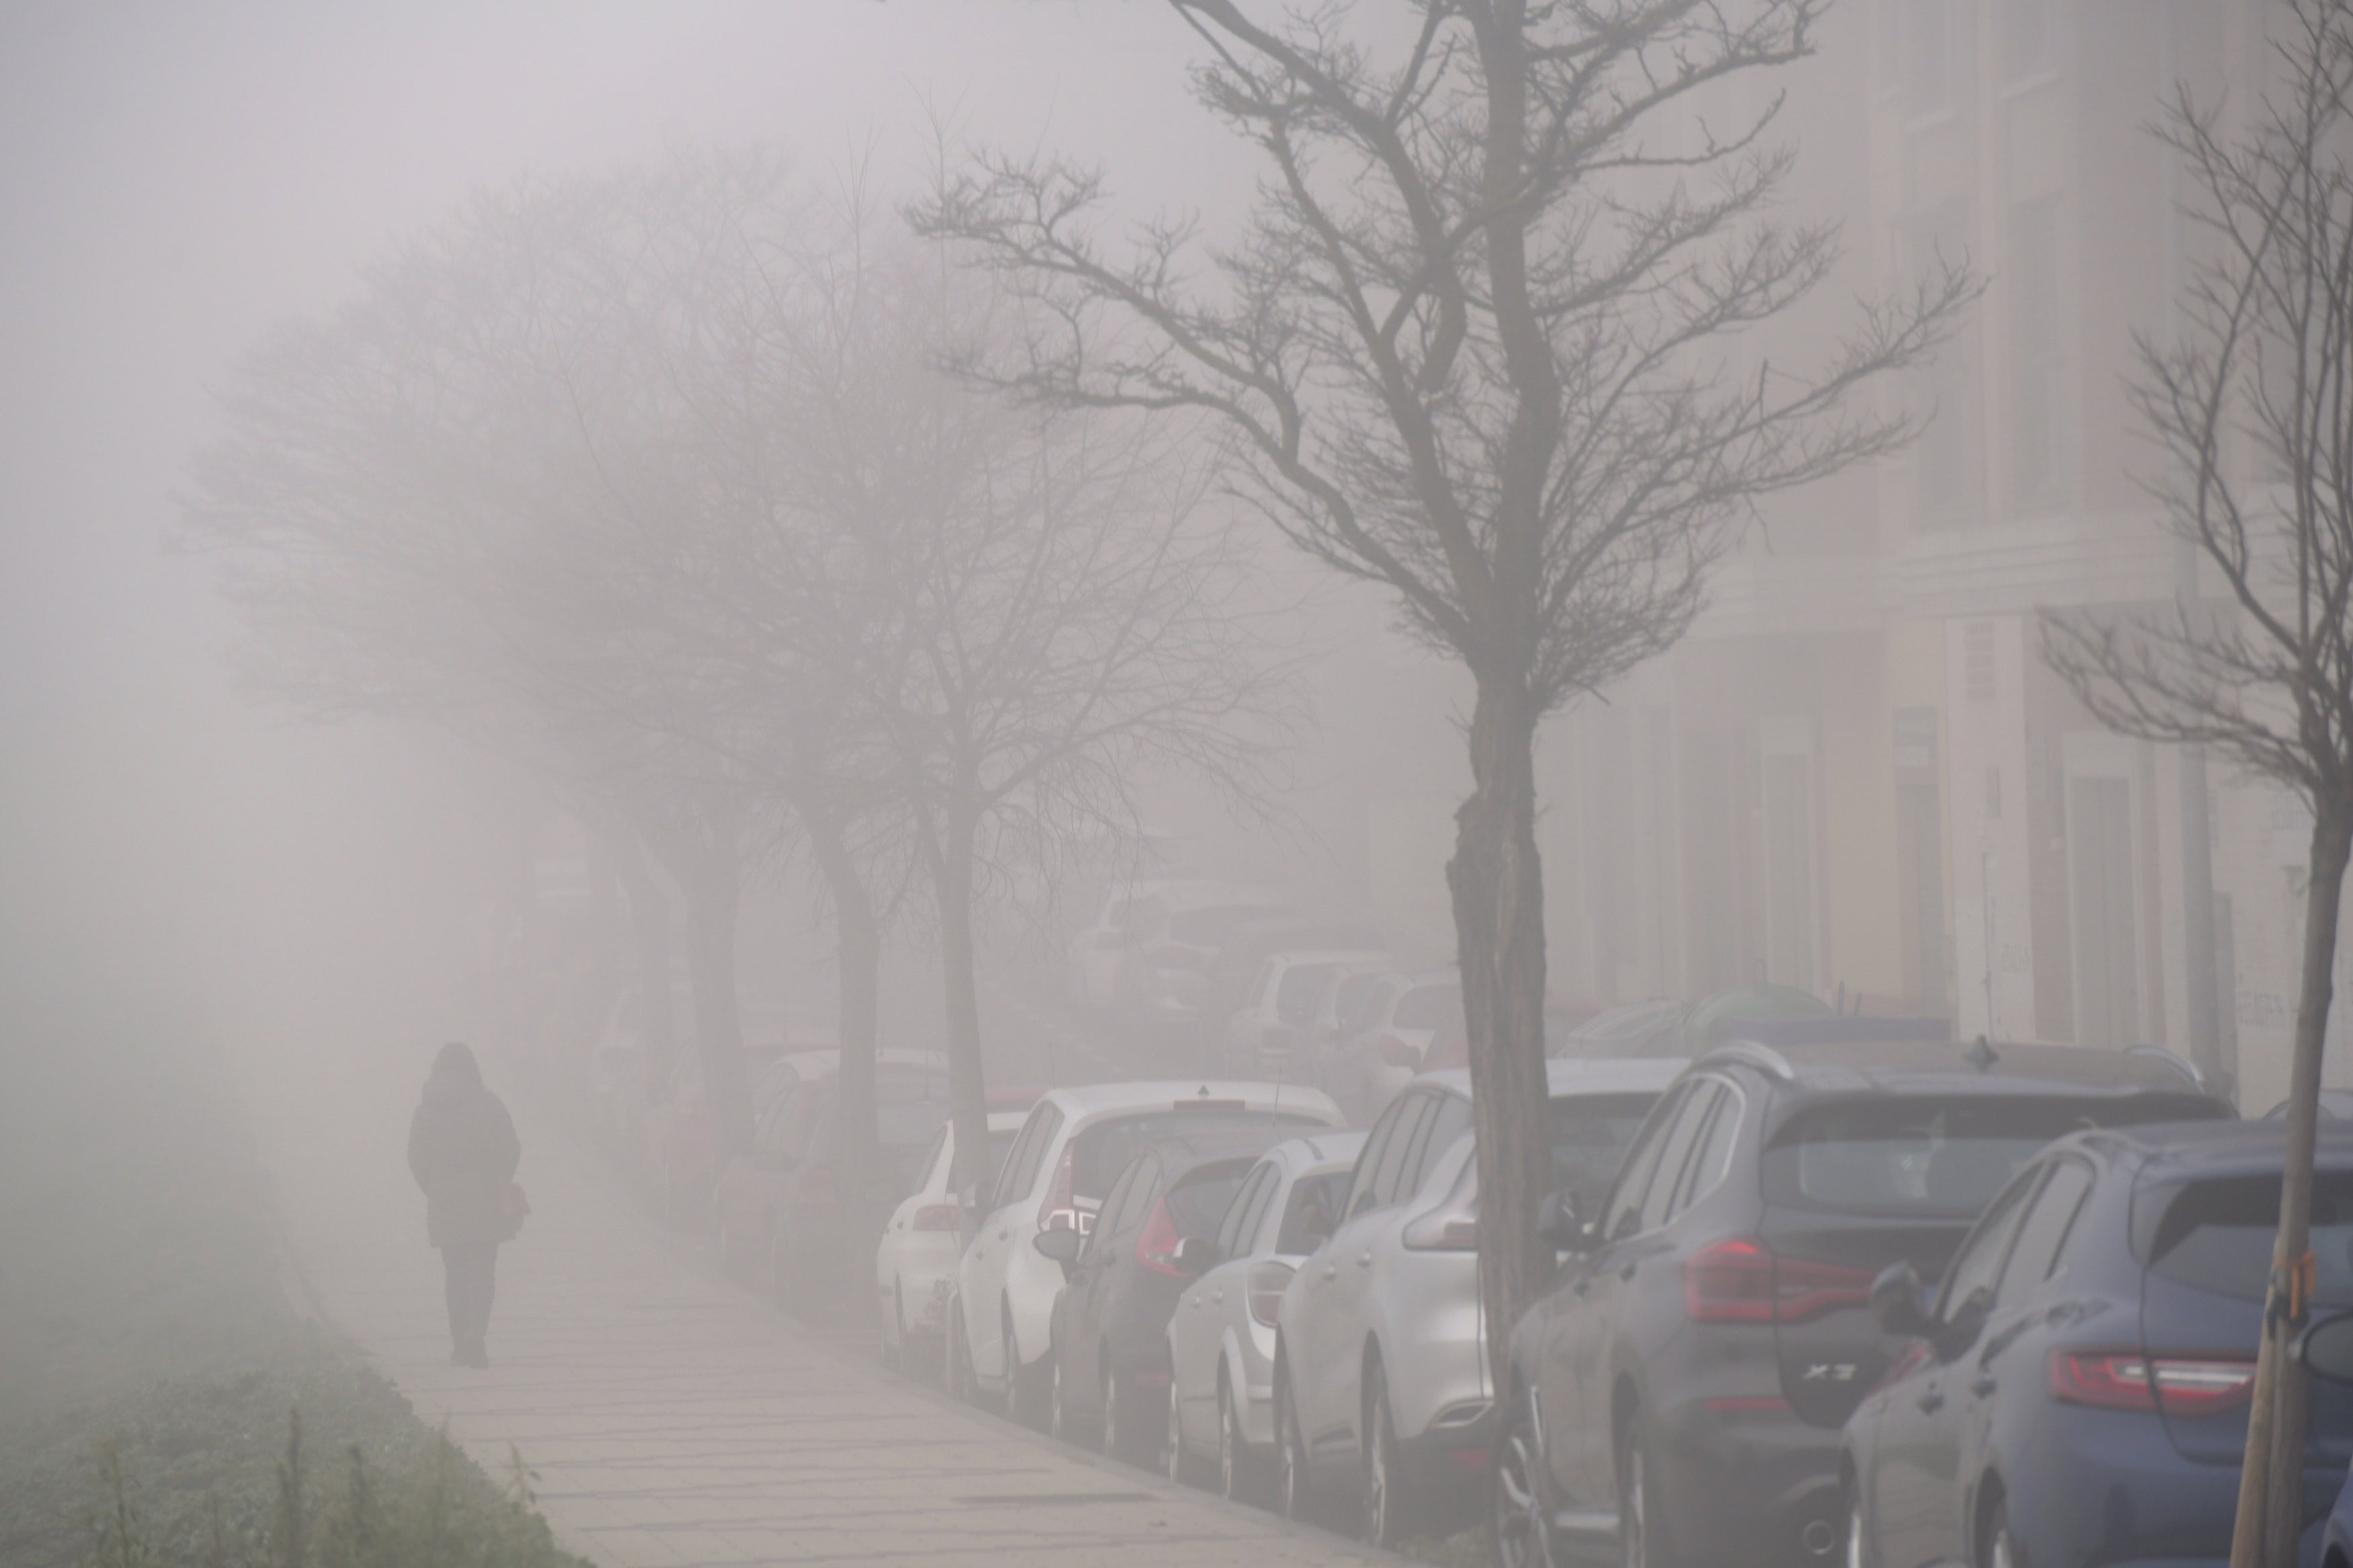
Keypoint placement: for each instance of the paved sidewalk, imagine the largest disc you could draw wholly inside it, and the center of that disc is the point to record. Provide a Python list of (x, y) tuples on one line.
[(674, 1420)]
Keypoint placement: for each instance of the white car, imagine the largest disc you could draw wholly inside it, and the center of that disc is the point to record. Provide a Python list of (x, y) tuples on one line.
[(1380, 1380), (1410, 1010), (1074, 1146), (1221, 1340), (915, 1264), (1279, 1010)]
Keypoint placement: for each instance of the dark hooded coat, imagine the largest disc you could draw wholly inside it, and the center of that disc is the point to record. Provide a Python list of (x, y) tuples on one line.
[(463, 1151)]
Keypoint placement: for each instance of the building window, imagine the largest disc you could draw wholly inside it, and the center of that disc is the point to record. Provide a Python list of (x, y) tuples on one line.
[(2029, 38), (2033, 280)]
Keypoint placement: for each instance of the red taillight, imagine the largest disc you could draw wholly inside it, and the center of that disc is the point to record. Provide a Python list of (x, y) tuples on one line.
[(1741, 1282), (1266, 1285), (1060, 1213), (1157, 1247), (2127, 1380), (935, 1217)]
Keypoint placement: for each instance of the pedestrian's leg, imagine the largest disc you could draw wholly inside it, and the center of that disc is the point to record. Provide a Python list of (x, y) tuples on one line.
[(456, 1291), (486, 1286), (469, 1300)]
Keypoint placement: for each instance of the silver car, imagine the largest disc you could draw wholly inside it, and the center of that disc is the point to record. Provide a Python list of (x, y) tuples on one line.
[(1381, 1391), (1221, 1341)]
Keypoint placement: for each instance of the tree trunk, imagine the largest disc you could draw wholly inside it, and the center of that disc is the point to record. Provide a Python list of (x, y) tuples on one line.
[(650, 932), (858, 973), (713, 896), (967, 1084), (1497, 884), (2271, 1486)]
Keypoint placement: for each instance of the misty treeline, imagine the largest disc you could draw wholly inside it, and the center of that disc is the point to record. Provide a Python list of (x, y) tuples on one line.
[(749, 521), (656, 483)]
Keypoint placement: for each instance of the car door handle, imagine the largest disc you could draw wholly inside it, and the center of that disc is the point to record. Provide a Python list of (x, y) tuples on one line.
[(1626, 1271), (1365, 1259), (1331, 1271), (1930, 1401), (1003, 1236), (1217, 1298), (1983, 1386)]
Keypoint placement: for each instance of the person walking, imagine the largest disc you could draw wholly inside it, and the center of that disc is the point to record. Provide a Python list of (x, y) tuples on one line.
[(463, 1152)]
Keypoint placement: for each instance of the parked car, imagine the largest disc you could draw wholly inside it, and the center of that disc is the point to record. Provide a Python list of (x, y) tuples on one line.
[(1380, 1385), (1276, 1019), (2335, 1104), (914, 1263), (1409, 1011), (1134, 913), (1221, 1340), (2325, 1350), (1163, 985), (1125, 1278), (782, 1215), (2095, 1338), (1679, 1394), (1068, 1153)]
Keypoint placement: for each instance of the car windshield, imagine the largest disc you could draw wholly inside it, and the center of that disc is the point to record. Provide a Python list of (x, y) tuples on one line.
[(1199, 1200), (2217, 1236), (1302, 987), (1309, 1217), (1430, 1007), (1590, 1135), (1102, 1151), (1922, 1157)]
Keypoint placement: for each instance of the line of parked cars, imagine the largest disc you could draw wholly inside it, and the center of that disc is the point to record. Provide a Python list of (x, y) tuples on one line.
[(1825, 1288)]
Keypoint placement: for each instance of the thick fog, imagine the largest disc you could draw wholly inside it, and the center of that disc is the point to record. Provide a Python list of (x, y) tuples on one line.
[(666, 646)]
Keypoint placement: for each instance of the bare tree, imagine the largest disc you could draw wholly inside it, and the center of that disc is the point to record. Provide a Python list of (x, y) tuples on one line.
[(2252, 401), (1028, 605), (1475, 346)]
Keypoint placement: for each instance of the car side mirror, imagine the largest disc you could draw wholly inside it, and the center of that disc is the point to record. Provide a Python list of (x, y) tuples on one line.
[(1195, 1256), (1559, 1225), (1062, 1244), (2326, 1349), (1900, 1304)]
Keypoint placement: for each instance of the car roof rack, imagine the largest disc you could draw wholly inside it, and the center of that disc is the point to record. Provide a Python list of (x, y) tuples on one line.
[(1748, 1053), (2172, 1058)]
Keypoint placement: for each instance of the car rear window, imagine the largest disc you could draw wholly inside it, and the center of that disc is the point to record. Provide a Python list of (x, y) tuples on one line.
[(1199, 1199), (2217, 1236), (1923, 1157), (1590, 1135), (1100, 1152), (1430, 1007)]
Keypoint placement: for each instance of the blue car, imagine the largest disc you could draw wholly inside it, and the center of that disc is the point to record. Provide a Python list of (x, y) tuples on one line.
[(2077, 1392)]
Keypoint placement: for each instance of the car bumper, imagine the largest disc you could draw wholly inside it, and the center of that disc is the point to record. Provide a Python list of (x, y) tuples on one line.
[(2094, 1486), (1746, 1486)]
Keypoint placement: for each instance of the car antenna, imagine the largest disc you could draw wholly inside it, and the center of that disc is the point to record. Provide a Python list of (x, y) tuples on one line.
[(1981, 1055)]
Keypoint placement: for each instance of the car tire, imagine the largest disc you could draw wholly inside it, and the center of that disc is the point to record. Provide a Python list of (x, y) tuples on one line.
[(1028, 1391), (1297, 1479), (1854, 1541), (1237, 1471), (1387, 1504), (1996, 1547), (1521, 1520), (1643, 1540), (1060, 1422), (1118, 1437), (1174, 1461)]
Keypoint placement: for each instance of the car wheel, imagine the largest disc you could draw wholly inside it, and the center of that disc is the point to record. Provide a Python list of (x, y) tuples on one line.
[(1235, 1479), (1642, 1534), (1856, 1537), (1291, 1444), (1522, 1530), (1117, 1439), (1060, 1420), (2000, 1549), (1172, 1452), (961, 1383), (1386, 1507)]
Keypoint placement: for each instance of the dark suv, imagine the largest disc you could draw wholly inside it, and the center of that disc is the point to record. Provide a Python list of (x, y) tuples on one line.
[(1680, 1390)]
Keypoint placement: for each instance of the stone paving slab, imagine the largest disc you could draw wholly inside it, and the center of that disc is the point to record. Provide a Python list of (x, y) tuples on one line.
[(671, 1420)]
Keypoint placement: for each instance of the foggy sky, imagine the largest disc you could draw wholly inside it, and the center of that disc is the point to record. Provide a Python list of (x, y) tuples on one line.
[(175, 179)]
